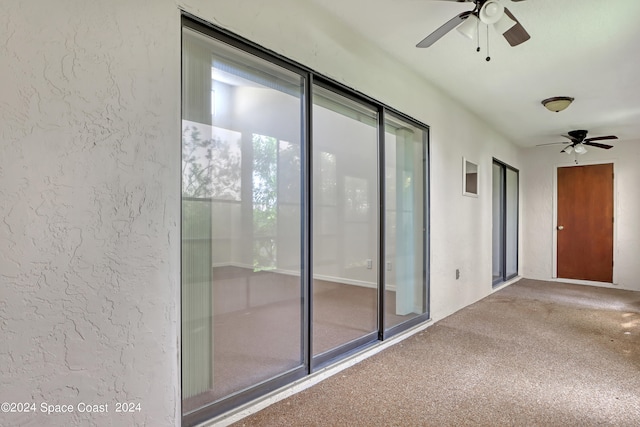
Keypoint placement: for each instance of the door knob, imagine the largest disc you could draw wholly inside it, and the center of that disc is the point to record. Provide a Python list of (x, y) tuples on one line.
[(561, 227)]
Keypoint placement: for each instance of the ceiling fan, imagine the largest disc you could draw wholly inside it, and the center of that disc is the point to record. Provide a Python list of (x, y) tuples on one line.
[(578, 139), (489, 12)]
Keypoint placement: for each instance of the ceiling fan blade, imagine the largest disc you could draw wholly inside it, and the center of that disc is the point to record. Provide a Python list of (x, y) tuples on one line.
[(552, 143), (597, 144), (572, 138), (517, 34), (600, 138), (444, 29)]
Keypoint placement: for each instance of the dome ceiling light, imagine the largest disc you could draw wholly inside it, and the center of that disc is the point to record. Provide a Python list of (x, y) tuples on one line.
[(557, 103)]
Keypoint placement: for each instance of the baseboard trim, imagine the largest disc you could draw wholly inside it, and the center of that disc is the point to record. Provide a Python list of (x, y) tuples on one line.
[(333, 279)]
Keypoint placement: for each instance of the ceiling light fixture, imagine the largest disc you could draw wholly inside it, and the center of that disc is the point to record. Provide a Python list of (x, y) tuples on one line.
[(469, 28), (580, 149), (557, 103)]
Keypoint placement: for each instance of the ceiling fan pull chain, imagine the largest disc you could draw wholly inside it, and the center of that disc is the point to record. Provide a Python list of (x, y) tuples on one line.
[(488, 57), (478, 34)]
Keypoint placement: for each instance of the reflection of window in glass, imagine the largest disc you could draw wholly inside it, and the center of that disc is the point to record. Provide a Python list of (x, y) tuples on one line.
[(356, 198), (356, 209), (210, 162), (325, 205), (265, 198), (213, 101), (327, 179)]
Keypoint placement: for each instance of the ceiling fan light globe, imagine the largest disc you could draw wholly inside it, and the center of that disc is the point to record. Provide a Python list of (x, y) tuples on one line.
[(580, 149), (491, 12), (469, 28), (568, 150)]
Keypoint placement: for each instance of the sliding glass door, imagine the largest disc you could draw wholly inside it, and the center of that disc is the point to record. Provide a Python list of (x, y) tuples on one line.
[(505, 222), (345, 221), (304, 222)]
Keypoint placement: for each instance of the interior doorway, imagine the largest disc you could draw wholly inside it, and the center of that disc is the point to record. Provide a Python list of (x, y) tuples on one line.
[(585, 223)]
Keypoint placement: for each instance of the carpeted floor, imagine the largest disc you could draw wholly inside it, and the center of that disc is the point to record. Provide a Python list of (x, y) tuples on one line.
[(532, 354), (257, 325)]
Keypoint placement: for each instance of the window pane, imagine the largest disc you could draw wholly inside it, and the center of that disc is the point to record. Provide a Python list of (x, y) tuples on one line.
[(241, 221), (345, 219), (405, 262)]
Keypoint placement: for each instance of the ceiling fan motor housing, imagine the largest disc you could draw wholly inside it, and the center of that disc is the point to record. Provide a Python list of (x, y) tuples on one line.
[(579, 134)]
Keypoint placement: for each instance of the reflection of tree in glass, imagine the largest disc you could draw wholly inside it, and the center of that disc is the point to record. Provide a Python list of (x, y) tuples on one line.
[(265, 198), (356, 195), (289, 166), (210, 167), (328, 182)]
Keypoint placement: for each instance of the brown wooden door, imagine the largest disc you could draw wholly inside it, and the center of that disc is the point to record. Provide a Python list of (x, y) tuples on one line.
[(585, 222)]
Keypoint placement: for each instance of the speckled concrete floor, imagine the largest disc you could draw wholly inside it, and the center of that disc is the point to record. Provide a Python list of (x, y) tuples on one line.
[(532, 354)]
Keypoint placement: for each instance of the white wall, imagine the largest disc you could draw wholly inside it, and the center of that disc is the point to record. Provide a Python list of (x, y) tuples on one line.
[(538, 183), (89, 190)]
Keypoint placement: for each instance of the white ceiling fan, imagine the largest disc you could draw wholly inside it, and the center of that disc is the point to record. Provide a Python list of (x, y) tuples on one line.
[(488, 12)]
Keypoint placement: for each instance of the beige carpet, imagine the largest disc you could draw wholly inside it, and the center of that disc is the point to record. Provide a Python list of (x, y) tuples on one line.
[(264, 309), (532, 354)]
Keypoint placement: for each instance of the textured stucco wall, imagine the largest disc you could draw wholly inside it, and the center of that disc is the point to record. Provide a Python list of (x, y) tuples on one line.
[(89, 208)]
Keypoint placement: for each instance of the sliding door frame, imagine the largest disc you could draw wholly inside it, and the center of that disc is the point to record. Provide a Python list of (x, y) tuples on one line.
[(384, 332), (503, 221), (234, 400), (331, 356)]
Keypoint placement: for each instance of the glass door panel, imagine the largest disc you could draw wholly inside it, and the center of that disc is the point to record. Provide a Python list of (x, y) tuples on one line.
[(242, 299), (345, 221), (511, 229), (498, 223), (405, 228)]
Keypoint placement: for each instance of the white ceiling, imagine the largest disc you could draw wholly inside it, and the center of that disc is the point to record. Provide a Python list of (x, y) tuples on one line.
[(586, 49)]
